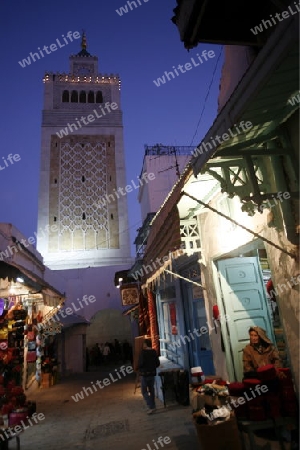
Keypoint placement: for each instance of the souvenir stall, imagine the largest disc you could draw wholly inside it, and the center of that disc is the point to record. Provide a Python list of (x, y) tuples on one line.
[(40, 354), (27, 354), (242, 409), (26, 344), (15, 406)]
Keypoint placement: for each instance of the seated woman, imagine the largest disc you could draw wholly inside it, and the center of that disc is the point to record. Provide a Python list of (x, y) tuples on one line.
[(260, 352)]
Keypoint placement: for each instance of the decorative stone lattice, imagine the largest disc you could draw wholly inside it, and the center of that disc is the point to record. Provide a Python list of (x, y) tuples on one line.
[(83, 181), (82, 171)]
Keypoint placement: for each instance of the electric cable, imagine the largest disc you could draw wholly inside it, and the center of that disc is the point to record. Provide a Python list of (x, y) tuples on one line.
[(208, 92)]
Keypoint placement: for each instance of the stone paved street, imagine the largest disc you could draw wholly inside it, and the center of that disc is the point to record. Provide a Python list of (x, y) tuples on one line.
[(111, 418)]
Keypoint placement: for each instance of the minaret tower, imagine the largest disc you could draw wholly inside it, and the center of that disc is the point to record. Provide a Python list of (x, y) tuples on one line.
[(82, 217)]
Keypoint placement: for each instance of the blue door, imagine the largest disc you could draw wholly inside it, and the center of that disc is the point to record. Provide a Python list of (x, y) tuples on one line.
[(242, 297), (201, 347)]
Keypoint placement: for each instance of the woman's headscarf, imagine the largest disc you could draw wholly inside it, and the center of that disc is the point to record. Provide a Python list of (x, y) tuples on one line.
[(261, 333)]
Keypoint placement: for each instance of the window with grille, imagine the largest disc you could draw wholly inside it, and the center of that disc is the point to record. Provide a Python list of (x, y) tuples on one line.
[(190, 237)]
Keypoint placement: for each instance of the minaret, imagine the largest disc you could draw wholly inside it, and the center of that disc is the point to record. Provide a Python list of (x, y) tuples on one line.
[(82, 217)]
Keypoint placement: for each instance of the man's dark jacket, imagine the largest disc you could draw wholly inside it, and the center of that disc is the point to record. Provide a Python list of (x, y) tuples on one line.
[(148, 362)]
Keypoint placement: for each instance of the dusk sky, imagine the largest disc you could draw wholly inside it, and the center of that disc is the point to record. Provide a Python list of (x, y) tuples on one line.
[(139, 46)]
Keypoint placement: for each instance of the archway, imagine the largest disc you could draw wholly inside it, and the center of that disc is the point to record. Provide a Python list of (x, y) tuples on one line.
[(107, 325)]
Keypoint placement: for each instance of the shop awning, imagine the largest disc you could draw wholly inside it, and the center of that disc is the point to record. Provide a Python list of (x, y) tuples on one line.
[(13, 270), (261, 97), (225, 23), (164, 236), (72, 320)]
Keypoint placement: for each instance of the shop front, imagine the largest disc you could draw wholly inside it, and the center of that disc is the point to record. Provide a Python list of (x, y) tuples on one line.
[(26, 346)]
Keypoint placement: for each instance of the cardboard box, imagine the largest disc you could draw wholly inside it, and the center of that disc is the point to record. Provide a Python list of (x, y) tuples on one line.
[(224, 436)]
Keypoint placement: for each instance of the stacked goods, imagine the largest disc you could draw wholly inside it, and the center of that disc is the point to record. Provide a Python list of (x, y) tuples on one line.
[(217, 429), (12, 323), (214, 394), (255, 403), (269, 396), (237, 390), (288, 399), (13, 333), (15, 408)]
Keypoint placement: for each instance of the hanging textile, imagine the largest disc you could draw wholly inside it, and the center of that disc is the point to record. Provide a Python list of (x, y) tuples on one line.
[(172, 309), (143, 316), (153, 322)]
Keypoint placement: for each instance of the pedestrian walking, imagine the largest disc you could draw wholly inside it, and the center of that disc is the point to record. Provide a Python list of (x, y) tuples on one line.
[(147, 365)]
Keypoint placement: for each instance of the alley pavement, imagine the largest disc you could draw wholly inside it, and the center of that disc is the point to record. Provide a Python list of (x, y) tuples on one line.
[(113, 417), (110, 418)]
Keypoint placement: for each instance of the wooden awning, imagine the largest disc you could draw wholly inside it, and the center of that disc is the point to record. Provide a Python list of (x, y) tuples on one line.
[(164, 236)]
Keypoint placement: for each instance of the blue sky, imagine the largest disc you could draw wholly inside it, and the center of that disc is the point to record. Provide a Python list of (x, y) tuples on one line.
[(140, 46)]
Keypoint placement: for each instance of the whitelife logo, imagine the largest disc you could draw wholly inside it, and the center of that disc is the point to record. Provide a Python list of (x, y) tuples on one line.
[(265, 24), (53, 47), (19, 245), (13, 431), (86, 120), (123, 371), (11, 158), (206, 146), (294, 100), (124, 9), (108, 198), (206, 55), (162, 441)]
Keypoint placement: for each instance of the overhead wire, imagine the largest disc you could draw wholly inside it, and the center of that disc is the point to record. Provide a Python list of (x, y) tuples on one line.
[(208, 92)]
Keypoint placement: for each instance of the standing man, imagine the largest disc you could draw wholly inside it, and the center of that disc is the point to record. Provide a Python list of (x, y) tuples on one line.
[(147, 365), (106, 352)]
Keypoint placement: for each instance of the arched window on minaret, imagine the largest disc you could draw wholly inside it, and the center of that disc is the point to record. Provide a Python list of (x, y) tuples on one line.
[(65, 97), (99, 97), (82, 97), (74, 97), (91, 97)]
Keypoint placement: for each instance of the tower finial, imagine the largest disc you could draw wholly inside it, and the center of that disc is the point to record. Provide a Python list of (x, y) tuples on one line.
[(83, 40)]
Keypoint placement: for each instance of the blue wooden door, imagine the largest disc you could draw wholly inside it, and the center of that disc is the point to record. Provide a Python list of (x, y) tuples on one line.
[(200, 346), (243, 299)]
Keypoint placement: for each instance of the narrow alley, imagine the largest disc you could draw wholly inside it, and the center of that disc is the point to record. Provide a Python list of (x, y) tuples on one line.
[(111, 418)]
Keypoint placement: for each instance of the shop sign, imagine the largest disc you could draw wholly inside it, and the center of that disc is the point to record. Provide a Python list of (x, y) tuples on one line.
[(129, 294)]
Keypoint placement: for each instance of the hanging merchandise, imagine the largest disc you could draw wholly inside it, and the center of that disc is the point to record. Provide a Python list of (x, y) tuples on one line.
[(2, 305), (40, 340), (31, 345), (30, 335), (172, 309), (3, 344), (31, 356), (4, 333), (39, 352), (51, 329)]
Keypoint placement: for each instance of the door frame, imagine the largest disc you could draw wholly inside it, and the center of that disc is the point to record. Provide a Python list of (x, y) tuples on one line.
[(253, 246), (224, 330)]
